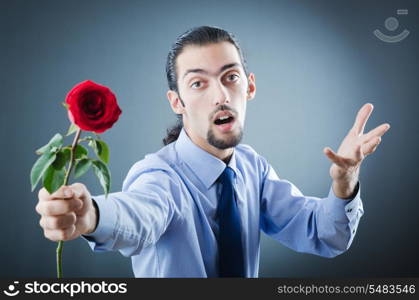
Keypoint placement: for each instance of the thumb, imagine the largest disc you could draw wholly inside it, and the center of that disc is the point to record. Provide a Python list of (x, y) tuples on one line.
[(80, 191), (330, 153), (333, 157)]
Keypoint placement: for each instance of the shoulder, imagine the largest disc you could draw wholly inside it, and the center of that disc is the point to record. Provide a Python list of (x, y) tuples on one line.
[(247, 157), (248, 151), (158, 167)]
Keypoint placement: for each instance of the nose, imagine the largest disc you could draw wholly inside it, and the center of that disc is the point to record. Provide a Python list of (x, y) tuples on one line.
[(220, 95)]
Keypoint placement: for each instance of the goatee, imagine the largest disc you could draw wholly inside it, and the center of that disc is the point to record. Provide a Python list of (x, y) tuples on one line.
[(228, 142)]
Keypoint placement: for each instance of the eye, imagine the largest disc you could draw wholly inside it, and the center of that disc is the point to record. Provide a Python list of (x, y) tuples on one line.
[(232, 77), (196, 84)]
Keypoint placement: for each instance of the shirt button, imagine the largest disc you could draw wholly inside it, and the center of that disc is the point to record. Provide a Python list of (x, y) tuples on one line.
[(353, 231)]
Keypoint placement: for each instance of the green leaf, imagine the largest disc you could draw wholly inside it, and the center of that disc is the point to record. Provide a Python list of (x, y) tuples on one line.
[(80, 152), (38, 169), (102, 151), (65, 104), (63, 156), (53, 179), (72, 129), (100, 148), (67, 151), (82, 166), (56, 141), (103, 174), (92, 144)]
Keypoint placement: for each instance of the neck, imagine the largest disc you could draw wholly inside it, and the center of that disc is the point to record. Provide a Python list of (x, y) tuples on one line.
[(222, 154)]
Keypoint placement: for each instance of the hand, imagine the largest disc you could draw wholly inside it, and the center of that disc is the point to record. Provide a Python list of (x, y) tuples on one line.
[(354, 148), (67, 213)]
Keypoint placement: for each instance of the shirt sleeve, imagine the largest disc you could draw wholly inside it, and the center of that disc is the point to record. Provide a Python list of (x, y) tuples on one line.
[(319, 226), (137, 216)]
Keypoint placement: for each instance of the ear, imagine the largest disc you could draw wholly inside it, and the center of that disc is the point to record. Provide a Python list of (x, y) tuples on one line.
[(175, 102), (251, 89)]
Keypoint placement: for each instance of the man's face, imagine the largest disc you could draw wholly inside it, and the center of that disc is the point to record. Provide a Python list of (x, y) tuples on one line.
[(214, 89)]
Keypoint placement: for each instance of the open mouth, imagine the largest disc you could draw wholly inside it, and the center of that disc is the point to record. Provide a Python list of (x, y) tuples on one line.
[(223, 120)]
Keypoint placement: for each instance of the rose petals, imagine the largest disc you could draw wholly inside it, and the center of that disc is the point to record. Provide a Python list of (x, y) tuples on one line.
[(92, 107)]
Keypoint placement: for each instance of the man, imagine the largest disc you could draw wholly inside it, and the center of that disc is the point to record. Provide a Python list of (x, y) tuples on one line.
[(196, 207)]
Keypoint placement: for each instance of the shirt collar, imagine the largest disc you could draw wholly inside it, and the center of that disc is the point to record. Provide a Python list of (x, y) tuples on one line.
[(206, 166)]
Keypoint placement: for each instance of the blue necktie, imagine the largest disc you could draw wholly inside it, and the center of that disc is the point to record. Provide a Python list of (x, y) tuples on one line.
[(231, 263)]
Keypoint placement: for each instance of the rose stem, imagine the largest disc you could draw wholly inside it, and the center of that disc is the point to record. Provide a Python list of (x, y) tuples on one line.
[(67, 175)]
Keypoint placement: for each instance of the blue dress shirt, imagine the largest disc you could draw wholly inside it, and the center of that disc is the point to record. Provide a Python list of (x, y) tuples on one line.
[(165, 216)]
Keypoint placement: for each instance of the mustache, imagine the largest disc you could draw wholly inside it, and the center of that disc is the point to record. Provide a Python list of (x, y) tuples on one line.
[(221, 108)]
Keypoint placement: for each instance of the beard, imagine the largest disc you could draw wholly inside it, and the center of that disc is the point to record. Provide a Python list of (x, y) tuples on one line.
[(227, 142)]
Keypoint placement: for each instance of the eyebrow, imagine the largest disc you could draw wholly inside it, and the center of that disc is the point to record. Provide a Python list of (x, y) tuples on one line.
[(202, 71)]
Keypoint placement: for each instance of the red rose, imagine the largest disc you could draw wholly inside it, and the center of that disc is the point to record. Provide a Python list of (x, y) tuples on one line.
[(92, 107)]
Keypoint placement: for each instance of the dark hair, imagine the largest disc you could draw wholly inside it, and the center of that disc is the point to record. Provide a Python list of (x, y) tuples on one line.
[(201, 36)]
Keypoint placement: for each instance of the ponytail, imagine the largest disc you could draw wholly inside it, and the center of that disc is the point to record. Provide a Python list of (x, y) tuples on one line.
[(173, 132)]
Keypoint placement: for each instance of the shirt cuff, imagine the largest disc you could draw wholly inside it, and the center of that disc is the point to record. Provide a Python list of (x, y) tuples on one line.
[(343, 210), (107, 223)]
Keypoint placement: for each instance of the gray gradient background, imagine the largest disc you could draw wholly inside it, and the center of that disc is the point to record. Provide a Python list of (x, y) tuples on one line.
[(316, 63)]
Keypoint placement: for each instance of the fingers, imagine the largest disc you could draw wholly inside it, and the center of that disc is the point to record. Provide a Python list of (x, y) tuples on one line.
[(43, 194), (371, 146), (59, 228), (359, 155), (58, 207), (362, 118), (66, 199), (79, 190), (376, 132), (64, 192), (61, 211), (334, 157), (61, 235), (58, 222), (343, 161)]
